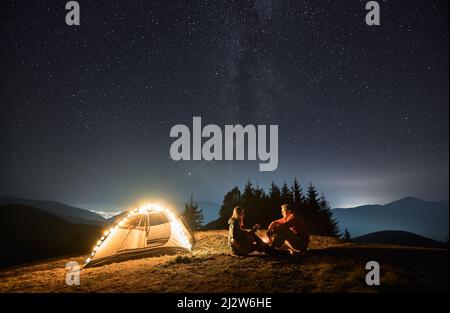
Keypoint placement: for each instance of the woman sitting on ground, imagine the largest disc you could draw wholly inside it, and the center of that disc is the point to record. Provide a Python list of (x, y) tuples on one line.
[(243, 242)]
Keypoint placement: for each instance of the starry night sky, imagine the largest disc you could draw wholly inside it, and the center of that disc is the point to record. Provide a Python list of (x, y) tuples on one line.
[(86, 111)]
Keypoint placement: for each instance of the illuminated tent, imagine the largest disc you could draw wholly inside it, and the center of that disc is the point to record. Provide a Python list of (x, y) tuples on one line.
[(150, 230)]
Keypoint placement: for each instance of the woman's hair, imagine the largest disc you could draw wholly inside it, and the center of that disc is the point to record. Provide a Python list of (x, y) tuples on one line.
[(237, 214), (287, 207)]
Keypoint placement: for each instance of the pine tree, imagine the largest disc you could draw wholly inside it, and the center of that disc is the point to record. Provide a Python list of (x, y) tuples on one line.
[(192, 214), (346, 236), (231, 199), (263, 208), (312, 195), (286, 195), (258, 207), (271, 210), (274, 195), (298, 199), (327, 225), (318, 216), (311, 207), (248, 204)]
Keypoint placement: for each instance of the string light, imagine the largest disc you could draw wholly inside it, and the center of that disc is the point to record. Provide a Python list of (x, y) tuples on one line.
[(145, 209)]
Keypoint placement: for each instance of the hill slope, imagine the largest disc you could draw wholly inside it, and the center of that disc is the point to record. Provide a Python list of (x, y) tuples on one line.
[(330, 266), (67, 212), (428, 219), (398, 237), (29, 234)]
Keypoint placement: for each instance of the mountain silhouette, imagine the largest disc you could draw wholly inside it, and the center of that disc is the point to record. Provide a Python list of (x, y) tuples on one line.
[(29, 234), (399, 237), (67, 212), (426, 218)]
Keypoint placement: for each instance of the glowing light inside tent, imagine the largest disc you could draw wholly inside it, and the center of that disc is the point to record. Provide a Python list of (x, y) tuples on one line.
[(176, 225)]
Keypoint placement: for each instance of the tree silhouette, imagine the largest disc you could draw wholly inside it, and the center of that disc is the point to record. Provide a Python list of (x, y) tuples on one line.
[(192, 214), (317, 214), (327, 225), (286, 195), (346, 236), (230, 200), (273, 204), (248, 203), (312, 195), (262, 208), (298, 199), (311, 207)]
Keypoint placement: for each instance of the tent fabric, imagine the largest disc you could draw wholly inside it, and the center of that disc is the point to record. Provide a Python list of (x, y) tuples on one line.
[(148, 231)]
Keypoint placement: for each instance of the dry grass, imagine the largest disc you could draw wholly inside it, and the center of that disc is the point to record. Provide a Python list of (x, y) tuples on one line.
[(331, 266)]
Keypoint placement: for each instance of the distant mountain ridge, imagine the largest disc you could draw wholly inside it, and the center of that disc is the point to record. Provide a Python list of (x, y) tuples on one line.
[(399, 237), (84, 216), (29, 234), (67, 212), (425, 218)]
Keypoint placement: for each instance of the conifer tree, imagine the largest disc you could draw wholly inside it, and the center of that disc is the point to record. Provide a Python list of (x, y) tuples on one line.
[(248, 204), (230, 200), (192, 214), (311, 208), (327, 225), (262, 208), (286, 195), (272, 205), (298, 199), (346, 236)]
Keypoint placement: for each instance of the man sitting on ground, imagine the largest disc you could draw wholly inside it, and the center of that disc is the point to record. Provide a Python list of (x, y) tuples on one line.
[(289, 230)]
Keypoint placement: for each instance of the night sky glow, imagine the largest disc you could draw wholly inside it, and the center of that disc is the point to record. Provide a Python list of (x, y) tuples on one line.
[(86, 111)]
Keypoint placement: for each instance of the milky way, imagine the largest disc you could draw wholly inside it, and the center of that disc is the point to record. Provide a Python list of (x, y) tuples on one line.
[(86, 110)]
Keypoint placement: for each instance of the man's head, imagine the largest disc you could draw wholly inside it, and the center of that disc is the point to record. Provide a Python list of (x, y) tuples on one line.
[(286, 210)]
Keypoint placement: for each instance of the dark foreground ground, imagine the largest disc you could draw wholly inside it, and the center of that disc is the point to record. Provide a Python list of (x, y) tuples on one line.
[(330, 266)]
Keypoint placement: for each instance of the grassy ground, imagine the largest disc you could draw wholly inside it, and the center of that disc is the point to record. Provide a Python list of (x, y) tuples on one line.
[(330, 266)]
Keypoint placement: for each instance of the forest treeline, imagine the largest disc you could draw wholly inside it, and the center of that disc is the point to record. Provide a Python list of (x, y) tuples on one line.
[(262, 207)]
